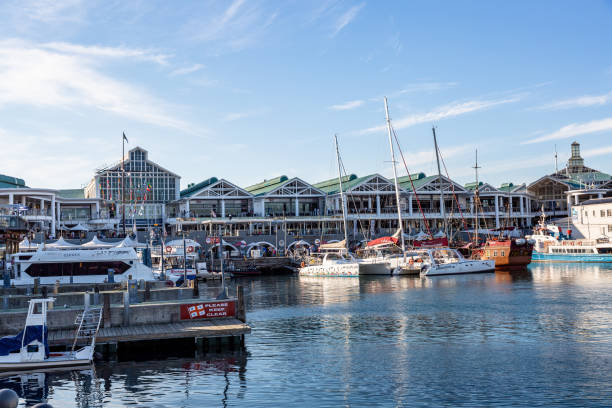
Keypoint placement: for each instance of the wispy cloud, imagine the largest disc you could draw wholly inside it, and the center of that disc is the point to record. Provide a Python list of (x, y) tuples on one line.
[(107, 52), (347, 105), (51, 11), (578, 102), (239, 25), (230, 117), (600, 151), (427, 156), (346, 18), (187, 70), (37, 76), (443, 112), (575, 129)]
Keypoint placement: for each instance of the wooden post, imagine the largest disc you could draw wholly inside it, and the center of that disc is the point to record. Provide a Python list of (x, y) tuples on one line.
[(147, 291), (240, 308), (106, 310), (196, 288)]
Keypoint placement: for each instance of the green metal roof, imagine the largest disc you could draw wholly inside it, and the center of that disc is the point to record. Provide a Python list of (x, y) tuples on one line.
[(267, 185), (189, 191), (472, 185), (507, 187), (418, 180), (11, 182), (72, 193), (595, 176), (331, 186)]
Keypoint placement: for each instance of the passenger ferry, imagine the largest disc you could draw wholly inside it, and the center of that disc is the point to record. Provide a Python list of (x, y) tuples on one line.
[(575, 251), (78, 264)]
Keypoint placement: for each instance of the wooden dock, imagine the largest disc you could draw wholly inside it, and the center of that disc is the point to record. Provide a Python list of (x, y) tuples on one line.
[(195, 329)]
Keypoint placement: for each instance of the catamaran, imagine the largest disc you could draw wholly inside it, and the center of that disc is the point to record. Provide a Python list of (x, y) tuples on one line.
[(29, 349)]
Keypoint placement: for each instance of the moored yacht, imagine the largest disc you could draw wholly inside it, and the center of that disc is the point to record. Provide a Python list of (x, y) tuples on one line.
[(448, 261)]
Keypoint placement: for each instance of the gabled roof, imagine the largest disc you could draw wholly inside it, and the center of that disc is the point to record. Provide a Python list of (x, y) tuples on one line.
[(422, 181), (288, 188), (11, 182), (418, 180), (266, 186), (189, 191), (72, 193), (214, 189), (126, 159), (570, 183), (331, 186), (365, 184)]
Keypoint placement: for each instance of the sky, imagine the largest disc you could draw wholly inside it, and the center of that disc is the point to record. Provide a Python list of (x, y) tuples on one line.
[(248, 90)]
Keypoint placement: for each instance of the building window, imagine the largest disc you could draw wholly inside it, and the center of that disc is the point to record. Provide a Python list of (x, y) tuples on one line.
[(494, 253), (602, 213), (609, 213), (609, 228), (503, 253)]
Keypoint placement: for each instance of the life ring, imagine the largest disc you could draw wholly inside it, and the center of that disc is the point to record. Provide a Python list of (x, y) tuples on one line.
[(189, 249), (411, 261), (168, 249)]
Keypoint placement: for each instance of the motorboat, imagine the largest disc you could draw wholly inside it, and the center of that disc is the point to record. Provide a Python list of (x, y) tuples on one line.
[(340, 264), (449, 261), (391, 256), (78, 264), (29, 349)]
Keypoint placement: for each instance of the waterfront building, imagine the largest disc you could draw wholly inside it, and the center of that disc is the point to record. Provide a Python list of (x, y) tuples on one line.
[(136, 189), (213, 197), (555, 191), (50, 210), (590, 219), (282, 196)]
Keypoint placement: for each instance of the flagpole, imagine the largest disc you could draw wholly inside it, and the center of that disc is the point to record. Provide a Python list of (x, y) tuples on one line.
[(123, 180)]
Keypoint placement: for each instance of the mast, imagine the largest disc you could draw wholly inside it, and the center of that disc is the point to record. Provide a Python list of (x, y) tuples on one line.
[(123, 181), (556, 161), (397, 192), (477, 199), (442, 211), (341, 193)]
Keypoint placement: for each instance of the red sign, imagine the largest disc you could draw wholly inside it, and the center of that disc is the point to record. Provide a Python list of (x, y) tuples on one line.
[(208, 310)]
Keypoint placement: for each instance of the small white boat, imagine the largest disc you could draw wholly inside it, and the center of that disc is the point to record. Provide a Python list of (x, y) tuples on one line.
[(448, 261), (30, 348), (340, 264)]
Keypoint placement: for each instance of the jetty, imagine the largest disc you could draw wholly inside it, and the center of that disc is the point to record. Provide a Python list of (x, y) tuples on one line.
[(139, 312)]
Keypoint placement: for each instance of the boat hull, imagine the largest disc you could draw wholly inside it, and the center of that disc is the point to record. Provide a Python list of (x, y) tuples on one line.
[(460, 268), (47, 364), (596, 258), (381, 268), (340, 270)]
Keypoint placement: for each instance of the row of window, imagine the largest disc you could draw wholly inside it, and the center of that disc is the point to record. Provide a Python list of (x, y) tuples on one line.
[(75, 268)]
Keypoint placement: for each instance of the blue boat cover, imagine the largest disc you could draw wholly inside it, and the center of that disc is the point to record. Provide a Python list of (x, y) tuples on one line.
[(11, 344)]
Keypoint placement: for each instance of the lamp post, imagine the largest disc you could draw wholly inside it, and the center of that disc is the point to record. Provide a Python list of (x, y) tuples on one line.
[(223, 294)]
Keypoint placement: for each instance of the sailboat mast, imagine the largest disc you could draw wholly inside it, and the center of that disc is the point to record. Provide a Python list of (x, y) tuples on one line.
[(477, 199), (442, 210), (341, 193), (397, 191)]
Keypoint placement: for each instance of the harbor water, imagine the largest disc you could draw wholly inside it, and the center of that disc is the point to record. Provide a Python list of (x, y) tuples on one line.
[(541, 337)]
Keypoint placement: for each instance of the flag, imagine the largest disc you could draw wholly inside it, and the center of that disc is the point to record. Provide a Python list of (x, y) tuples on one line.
[(149, 187), (125, 137)]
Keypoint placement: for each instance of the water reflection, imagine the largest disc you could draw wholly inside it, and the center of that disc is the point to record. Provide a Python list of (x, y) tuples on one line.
[(535, 337)]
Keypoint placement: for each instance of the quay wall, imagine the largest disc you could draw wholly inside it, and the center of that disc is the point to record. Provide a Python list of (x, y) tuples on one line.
[(64, 319)]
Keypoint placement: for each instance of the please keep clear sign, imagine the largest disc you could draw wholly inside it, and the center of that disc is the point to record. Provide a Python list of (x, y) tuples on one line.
[(208, 310)]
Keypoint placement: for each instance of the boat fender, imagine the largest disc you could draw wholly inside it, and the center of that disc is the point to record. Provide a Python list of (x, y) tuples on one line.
[(302, 264), (419, 260), (8, 398)]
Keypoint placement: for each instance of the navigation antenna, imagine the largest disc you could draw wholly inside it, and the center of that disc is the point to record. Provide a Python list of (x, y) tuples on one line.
[(556, 161)]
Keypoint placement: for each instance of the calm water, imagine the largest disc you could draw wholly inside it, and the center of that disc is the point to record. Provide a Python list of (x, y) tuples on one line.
[(537, 338)]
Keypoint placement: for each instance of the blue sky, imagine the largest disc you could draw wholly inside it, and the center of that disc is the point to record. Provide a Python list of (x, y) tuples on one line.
[(248, 90)]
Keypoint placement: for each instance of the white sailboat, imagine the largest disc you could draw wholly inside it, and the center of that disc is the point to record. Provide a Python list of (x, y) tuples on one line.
[(335, 259)]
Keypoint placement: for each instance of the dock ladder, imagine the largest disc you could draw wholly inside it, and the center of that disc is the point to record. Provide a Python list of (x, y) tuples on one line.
[(88, 322)]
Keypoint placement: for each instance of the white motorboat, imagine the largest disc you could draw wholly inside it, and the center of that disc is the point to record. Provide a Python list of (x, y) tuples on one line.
[(395, 262), (77, 264), (448, 261), (30, 348)]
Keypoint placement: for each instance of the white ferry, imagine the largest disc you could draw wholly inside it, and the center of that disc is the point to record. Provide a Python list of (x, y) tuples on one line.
[(78, 264)]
